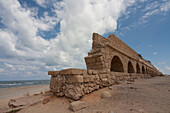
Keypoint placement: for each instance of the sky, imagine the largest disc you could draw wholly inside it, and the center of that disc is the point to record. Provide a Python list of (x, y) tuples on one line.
[(37, 36)]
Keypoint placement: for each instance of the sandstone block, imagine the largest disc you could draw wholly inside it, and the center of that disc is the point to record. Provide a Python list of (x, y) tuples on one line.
[(13, 103), (74, 92), (94, 72), (90, 72), (53, 73), (96, 77), (99, 63), (72, 71), (97, 87), (86, 78), (91, 89), (76, 78), (46, 100), (103, 76), (91, 60), (105, 94), (99, 59), (91, 78), (77, 105), (104, 80), (107, 65)]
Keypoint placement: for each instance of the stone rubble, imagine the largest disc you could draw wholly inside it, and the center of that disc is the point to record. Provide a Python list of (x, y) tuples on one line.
[(105, 94), (77, 105)]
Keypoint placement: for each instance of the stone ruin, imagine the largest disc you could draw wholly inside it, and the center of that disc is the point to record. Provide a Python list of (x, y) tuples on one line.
[(110, 62)]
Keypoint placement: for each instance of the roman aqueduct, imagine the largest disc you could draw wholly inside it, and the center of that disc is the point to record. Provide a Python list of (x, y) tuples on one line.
[(110, 62), (115, 56)]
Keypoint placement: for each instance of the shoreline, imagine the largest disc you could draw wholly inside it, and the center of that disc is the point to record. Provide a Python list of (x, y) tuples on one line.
[(23, 86)]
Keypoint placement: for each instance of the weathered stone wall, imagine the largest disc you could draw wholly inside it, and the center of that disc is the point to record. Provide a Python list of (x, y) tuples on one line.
[(110, 62), (74, 83)]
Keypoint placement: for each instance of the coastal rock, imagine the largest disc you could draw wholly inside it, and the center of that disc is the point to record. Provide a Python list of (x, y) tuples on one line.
[(14, 103), (46, 100), (77, 105), (24, 101), (74, 92), (105, 94)]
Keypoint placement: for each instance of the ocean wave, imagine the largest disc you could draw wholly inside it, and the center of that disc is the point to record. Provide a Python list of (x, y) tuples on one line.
[(13, 84)]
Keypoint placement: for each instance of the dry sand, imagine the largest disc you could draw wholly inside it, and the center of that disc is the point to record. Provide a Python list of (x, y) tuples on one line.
[(11, 93), (143, 96)]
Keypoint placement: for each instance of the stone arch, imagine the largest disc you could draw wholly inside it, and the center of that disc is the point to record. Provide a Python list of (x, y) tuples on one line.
[(130, 68), (143, 70), (137, 68), (116, 65)]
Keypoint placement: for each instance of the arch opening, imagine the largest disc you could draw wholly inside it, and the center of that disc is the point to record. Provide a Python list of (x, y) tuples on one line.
[(130, 68), (143, 70), (137, 68), (116, 65)]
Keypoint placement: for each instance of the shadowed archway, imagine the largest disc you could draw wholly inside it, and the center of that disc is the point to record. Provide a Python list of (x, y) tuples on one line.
[(116, 65), (137, 68), (130, 68), (143, 70)]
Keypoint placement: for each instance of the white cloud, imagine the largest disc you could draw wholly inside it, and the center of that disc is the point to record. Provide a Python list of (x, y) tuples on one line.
[(165, 6), (46, 22), (8, 65), (78, 20), (154, 8), (143, 0), (161, 63), (155, 53), (150, 13), (29, 53), (1, 69), (42, 3), (20, 24), (167, 68)]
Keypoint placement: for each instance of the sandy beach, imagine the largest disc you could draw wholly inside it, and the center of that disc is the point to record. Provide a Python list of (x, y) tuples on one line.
[(142, 96), (10, 93)]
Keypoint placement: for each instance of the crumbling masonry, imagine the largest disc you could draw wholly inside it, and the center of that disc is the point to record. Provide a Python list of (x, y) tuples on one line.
[(110, 62)]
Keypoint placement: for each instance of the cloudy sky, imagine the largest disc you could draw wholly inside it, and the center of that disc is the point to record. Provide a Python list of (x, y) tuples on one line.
[(41, 35)]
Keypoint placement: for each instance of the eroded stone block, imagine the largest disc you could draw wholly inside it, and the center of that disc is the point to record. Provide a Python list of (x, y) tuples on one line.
[(76, 78), (53, 73), (77, 105), (72, 71)]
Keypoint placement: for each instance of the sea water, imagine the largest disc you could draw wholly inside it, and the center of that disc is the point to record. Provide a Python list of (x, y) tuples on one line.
[(20, 83)]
